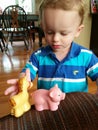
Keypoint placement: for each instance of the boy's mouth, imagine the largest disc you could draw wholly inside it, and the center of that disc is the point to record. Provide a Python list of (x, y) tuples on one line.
[(56, 46)]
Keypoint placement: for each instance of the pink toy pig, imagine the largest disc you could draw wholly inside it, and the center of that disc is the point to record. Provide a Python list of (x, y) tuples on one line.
[(47, 99)]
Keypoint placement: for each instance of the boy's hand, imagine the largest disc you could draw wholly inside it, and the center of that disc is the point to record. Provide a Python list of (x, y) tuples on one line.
[(13, 89), (14, 83)]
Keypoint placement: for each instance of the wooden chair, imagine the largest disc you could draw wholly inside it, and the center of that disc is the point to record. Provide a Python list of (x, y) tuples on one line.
[(2, 42), (2, 38), (15, 24)]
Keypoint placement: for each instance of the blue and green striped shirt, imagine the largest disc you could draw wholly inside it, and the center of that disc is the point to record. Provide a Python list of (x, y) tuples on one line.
[(70, 74)]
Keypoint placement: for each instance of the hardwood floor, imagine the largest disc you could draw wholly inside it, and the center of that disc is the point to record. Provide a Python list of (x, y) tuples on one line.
[(11, 64)]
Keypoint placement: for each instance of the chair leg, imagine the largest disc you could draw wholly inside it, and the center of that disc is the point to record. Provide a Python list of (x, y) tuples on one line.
[(40, 39), (25, 42), (11, 38), (3, 42), (40, 34), (1, 46), (33, 37)]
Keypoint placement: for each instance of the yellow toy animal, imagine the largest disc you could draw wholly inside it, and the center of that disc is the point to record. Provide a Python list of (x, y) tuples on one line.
[(20, 102)]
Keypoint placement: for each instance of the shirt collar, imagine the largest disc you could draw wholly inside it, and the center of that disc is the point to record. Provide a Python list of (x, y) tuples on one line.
[(47, 50), (74, 50)]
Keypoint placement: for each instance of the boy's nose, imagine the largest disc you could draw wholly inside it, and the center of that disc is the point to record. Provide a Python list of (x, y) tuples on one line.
[(56, 37)]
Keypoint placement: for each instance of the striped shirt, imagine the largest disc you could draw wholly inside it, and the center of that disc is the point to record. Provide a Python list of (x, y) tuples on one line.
[(70, 74)]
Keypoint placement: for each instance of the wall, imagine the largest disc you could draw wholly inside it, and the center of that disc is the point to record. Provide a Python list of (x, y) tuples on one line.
[(84, 38), (37, 3)]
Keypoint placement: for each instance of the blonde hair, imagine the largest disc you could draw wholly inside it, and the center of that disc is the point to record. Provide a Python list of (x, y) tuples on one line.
[(77, 5)]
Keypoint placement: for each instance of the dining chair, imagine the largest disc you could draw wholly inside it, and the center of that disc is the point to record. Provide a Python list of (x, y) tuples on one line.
[(15, 24), (2, 42), (2, 38)]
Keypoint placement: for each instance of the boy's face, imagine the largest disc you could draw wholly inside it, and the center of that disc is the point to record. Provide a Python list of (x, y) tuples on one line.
[(60, 28)]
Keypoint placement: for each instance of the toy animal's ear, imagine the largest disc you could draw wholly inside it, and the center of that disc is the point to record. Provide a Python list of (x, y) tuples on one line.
[(53, 91), (56, 86), (51, 94)]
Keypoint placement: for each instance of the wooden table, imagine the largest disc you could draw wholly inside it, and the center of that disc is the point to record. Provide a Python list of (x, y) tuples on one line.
[(30, 17)]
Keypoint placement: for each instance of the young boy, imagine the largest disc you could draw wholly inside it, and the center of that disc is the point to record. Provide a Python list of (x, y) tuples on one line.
[(62, 61)]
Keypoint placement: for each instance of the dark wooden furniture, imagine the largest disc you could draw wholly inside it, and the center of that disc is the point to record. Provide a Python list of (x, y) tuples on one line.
[(94, 34), (31, 20), (79, 111), (2, 39), (2, 42), (15, 24), (30, 17)]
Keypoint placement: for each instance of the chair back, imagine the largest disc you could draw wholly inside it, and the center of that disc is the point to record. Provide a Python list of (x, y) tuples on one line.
[(14, 18), (15, 24)]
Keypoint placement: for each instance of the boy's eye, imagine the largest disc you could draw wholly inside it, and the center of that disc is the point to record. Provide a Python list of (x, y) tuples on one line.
[(63, 33), (49, 32)]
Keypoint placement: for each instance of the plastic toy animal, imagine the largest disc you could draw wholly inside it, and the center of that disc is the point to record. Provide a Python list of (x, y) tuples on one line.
[(20, 102), (47, 99)]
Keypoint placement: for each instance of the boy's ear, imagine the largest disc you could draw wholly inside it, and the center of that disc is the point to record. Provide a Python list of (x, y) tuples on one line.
[(80, 28)]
